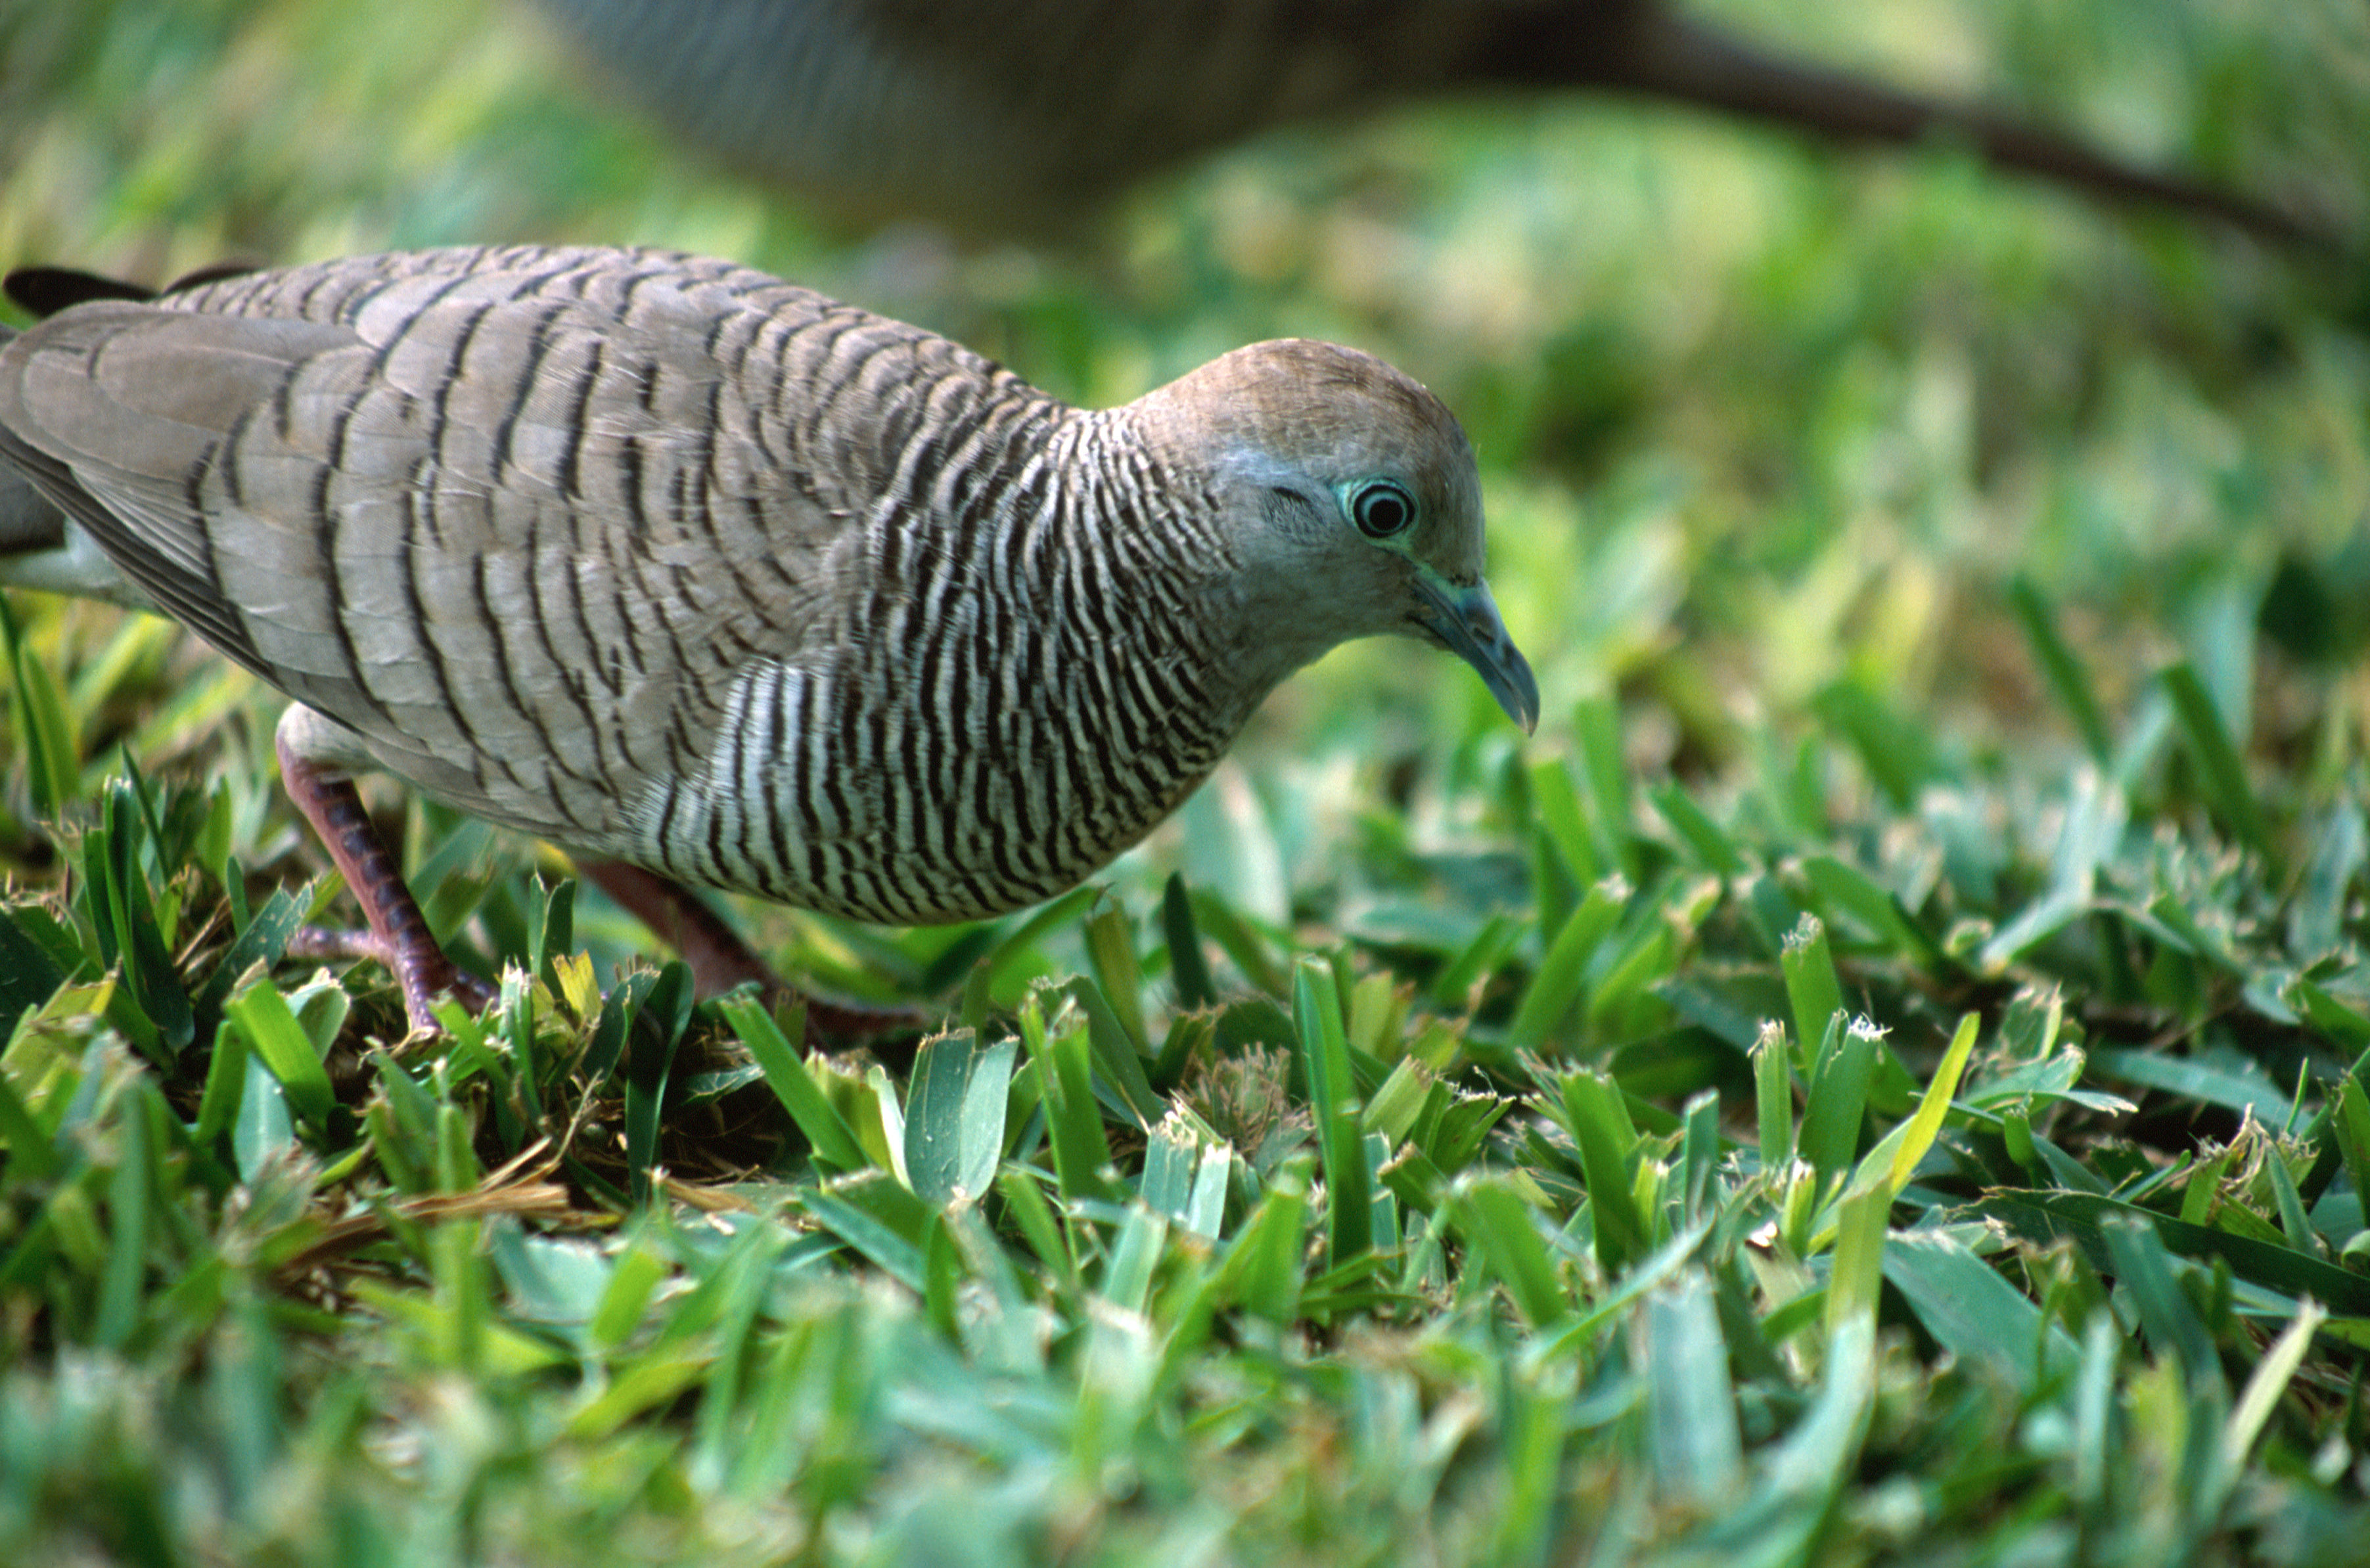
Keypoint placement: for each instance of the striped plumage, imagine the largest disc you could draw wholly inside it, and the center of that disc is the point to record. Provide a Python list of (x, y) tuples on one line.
[(678, 565)]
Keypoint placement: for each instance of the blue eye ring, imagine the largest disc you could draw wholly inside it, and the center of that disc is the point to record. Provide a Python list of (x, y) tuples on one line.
[(1382, 508)]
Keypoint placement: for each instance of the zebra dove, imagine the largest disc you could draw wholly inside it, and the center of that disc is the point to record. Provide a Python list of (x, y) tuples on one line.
[(998, 116), (693, 571)]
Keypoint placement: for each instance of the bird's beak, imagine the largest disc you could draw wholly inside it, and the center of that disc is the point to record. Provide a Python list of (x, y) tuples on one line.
[(1466, 620)]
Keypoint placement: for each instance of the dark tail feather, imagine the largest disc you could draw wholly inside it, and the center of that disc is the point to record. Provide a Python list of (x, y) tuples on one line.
[(45, 290), (1662, 55)]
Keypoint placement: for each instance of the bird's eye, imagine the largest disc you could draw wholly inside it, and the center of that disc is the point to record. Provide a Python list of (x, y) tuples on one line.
[(1382, 508)]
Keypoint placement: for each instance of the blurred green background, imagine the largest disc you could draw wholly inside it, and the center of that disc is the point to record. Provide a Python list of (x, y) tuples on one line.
[(1755, 417)]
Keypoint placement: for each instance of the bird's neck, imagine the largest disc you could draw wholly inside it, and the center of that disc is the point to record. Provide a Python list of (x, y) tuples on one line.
[(1184, 589)]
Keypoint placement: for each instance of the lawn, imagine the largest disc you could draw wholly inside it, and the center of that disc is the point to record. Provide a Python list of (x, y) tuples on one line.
[(1883, 1075)]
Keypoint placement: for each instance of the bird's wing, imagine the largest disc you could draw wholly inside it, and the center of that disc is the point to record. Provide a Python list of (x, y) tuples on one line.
[(115, 409), (517, 542)]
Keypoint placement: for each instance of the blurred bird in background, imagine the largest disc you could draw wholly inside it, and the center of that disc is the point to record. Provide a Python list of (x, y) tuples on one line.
[(1023, 118)]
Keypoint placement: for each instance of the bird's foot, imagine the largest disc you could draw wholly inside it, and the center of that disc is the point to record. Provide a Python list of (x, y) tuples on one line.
[(423, 976)]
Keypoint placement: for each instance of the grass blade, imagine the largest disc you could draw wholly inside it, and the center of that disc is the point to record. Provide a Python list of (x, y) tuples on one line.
[(1773, 1096), (1600, 1126), (954, 1116), (2064, 673), (1189, 968), (280, 1044), (1332, 1097), (830, 1137), (1836, 1105), (2221, 775), (1073, 1119), (1813, 988), (1498, 1221), (1921, 1128), (1563, 971), (1696, 1448)]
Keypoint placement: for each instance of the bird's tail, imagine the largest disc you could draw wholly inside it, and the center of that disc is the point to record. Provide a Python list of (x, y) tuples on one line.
[(27, 520), (1661, 53), (40, 548)]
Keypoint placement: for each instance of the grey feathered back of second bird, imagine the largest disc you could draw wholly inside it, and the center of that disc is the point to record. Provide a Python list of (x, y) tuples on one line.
[(1007, 117)]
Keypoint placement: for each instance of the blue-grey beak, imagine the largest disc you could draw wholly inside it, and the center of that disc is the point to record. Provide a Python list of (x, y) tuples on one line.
[(1466, 620)]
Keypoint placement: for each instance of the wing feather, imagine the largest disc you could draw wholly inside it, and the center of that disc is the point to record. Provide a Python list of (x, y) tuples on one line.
[(496, 523)]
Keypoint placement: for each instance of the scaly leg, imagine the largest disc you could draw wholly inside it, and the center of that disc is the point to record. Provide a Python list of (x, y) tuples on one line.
[(398, 935)]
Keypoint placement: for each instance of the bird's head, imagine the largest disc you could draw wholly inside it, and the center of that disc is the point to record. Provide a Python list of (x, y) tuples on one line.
[(1350, 500)]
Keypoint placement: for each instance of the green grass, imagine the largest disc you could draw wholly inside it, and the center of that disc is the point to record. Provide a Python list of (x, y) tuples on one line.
[(1884, 1076)]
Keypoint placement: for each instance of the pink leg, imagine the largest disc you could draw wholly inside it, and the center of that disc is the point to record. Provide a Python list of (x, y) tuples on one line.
[(398, 935), (720, 960)]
